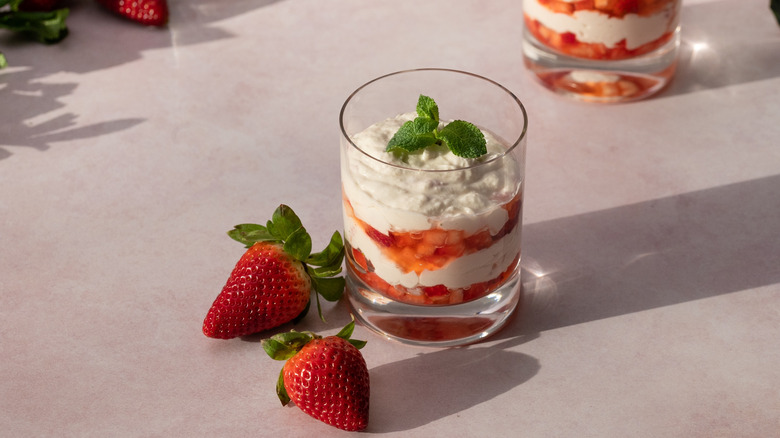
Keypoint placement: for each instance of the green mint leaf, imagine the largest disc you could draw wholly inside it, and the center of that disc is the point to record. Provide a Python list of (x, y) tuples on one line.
[(427, 108), (413, 135), (464, 139), (249, 234), (283, 222), (330, 288), (331, 255), (298, 244)]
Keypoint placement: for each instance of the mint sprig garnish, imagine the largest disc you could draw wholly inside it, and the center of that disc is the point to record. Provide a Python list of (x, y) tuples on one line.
[(323, 267), (461, 137)]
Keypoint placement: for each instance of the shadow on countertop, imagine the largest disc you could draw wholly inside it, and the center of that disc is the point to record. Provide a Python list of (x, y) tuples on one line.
[(98, 40), (648, 255), (434, 385), (724, 44)]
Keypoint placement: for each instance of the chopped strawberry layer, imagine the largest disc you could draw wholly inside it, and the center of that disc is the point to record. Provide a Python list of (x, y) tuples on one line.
[(613, 8), (432, 249), (427, 295), (567, 43)]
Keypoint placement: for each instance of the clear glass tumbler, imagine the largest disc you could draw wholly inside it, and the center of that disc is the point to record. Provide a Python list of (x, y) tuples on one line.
[(432, 240), (602, 50)]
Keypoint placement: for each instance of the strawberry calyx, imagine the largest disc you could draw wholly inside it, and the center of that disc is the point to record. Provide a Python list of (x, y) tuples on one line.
[(46, 26), (284, 346), (323, 268)]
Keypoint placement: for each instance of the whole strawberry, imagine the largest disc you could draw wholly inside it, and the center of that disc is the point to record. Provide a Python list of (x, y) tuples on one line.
[(272, 283), (327, 378), (146, 12)]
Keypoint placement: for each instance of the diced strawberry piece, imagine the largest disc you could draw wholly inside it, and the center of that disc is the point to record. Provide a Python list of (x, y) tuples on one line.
[(452, 251), (454, 237), (479, 241), (568, 38), (436, 291), (425, 250), (404, 239), (623, 7), (382, 239), (360, 259), (435, 237)]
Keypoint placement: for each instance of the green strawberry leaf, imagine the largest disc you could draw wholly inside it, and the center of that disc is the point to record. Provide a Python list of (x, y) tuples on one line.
[(330, 288), (774, 5), (283, 222), (46, 27), (281, 391), (298, 244), (326, 271), (346, 332), (278, 350), (249, 234), (332, 254), (464, 139), (426, 107), (357, 343)]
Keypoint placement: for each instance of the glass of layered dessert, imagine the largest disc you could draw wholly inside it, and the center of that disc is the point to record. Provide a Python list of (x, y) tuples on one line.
[(432, 227), (602, 50)]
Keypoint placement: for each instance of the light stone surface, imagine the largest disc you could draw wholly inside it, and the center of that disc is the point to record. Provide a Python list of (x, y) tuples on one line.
[(651, 242)]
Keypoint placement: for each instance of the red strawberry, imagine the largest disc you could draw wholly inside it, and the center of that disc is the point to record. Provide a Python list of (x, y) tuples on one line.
[(272, 282), (146, 12), (327, 378)]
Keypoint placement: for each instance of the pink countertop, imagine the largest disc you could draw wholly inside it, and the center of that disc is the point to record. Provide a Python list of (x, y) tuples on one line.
[(651, 230)]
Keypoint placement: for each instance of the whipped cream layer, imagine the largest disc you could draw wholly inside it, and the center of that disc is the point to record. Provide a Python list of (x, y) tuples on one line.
[(429, 188), (592, 27)]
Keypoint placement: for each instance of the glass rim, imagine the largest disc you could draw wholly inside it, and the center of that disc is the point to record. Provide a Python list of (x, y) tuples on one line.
[(508, 150)]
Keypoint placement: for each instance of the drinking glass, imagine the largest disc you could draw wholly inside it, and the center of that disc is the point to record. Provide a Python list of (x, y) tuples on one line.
[(432, 254), (602, 50)]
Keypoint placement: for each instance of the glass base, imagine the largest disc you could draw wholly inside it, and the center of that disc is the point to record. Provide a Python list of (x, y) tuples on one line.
[(434, 326), (602, 81)]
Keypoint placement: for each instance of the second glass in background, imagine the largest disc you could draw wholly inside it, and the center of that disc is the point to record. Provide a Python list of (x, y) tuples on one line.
[(602, 50)]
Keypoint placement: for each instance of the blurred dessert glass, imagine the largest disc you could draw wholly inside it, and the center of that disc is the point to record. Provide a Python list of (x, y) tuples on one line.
[(602, 50)]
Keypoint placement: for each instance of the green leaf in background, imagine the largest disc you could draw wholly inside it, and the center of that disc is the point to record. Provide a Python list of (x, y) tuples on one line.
[(46, 27), (774, 5)]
